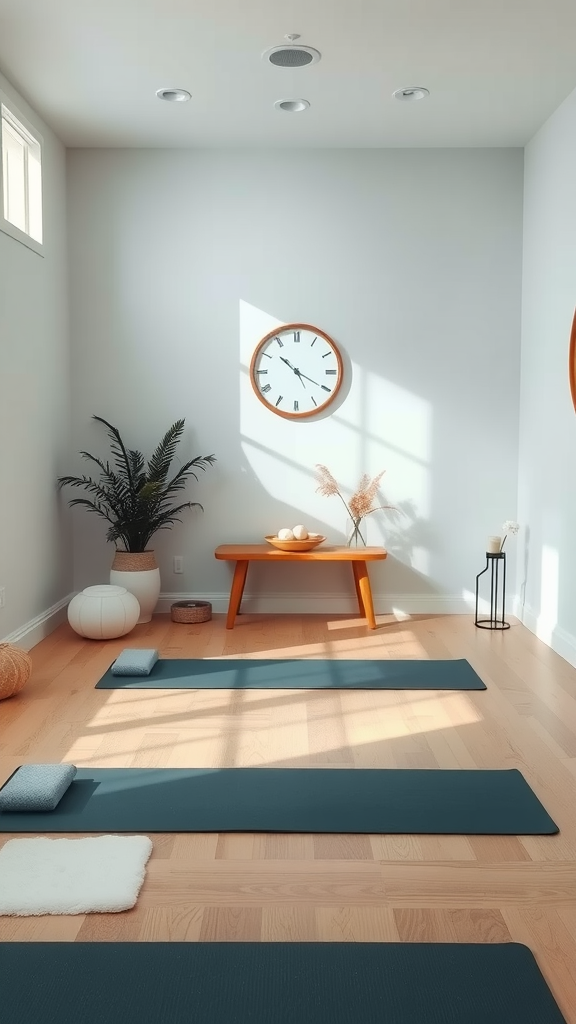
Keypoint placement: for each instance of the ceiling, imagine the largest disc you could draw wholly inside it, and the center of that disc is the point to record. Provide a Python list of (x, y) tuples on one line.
[(496, 69)]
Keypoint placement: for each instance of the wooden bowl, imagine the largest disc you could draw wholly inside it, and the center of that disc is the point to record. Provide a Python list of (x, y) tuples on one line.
[(296, 545)]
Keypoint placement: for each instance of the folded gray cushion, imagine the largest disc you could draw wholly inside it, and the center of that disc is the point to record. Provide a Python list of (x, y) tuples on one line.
[(134, 661), (36, 787)]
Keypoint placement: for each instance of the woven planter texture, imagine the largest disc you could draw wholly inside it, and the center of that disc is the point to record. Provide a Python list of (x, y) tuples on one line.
[(134, 561)]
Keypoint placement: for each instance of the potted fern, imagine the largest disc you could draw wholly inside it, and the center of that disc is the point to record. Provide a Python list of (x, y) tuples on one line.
[(136, 498)]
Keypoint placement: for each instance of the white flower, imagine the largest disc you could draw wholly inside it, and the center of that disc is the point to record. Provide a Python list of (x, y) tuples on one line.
[(510, 526)]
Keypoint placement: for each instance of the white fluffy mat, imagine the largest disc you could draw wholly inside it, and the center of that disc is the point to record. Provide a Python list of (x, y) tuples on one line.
[(72, 876)]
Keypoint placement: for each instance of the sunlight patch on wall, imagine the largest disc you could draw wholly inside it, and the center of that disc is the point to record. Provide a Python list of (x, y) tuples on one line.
[(483, 604), (549, 578), (282, 453), (390, 427), (403, 424), (376, 426), (398, 415), (421, 560)]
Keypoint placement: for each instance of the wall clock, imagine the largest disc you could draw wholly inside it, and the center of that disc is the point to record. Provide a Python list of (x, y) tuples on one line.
[(296, 371)]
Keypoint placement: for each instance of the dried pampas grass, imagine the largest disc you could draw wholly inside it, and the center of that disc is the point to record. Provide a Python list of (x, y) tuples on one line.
[(360, 505)]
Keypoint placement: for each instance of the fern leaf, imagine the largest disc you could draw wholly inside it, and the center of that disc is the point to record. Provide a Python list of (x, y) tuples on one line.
[(117, 448), (200, 462), (91, 506), (160, 461)]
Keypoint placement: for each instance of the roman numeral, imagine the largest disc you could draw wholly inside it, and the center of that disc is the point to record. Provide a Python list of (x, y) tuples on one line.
[(324, 388), (314, 400), (280, 397), (280, 342), (328, 353), (295, 406), (314, 342), (327, 371), (267, 354), (267, 387), (266, 371), (296, 336)]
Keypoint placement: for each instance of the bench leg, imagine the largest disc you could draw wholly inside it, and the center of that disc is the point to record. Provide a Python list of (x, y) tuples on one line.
[(357, 586), (362, 580), (236, 591)]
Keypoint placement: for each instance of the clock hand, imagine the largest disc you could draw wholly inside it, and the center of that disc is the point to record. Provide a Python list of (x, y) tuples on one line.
[(309, 378), (294, 370)]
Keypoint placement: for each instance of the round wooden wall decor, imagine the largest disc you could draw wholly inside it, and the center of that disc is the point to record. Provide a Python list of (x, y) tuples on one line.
[(572, 361)]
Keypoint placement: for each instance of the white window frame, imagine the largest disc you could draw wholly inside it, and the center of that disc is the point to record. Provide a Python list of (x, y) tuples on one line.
[(7, 107)]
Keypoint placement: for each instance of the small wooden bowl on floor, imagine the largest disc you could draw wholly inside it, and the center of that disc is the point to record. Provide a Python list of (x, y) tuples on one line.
[(296, 545)]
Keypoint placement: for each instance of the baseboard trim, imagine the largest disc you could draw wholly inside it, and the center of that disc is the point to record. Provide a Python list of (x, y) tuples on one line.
[(558, 639), (40, 627), (319, 604)]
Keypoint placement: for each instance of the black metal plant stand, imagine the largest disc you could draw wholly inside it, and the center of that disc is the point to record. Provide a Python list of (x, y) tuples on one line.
[(495, 621)]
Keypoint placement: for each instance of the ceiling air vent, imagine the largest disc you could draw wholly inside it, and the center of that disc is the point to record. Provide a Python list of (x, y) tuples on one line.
[(292, 55)]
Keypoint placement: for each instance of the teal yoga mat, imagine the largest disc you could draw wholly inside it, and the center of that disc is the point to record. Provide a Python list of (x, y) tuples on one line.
[(303, 674), (273, 983), (346, 800)]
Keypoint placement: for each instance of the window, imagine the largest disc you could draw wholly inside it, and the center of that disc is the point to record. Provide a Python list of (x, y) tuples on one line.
[(21, 180)]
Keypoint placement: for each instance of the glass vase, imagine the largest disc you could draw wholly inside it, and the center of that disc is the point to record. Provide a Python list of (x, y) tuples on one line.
[(356, 533)]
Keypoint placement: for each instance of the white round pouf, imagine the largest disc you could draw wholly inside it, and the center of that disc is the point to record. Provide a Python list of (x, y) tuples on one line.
[(103, 612)]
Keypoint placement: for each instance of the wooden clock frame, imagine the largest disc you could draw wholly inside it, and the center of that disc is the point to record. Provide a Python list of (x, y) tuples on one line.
[(282, 329)]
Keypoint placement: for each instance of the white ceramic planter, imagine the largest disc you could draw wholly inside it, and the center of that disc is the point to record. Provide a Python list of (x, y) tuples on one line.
[(102, 613), (140, 575)]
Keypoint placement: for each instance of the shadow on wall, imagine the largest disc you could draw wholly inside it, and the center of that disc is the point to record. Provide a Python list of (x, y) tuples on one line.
[(358, 437), (402, 534)]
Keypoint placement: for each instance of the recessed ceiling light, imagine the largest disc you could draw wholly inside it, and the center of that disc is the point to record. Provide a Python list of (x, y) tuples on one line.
[(173, 95), (411, 92), (292, 106)]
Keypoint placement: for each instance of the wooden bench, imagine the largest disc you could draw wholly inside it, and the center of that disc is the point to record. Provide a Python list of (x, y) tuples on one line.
[(243, 554)]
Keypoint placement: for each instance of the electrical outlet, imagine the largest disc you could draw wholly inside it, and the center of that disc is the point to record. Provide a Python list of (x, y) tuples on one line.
[(2, 597), (178, 563)]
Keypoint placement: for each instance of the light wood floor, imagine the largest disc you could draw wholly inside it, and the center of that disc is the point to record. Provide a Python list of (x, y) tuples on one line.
[(337, 888)]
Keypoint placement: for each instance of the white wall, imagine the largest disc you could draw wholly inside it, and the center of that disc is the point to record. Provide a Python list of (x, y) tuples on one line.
[(410, 260), (35, 552), (547, 480)]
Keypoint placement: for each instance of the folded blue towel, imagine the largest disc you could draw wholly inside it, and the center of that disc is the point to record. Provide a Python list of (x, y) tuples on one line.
[(134, 661), (36, 787)]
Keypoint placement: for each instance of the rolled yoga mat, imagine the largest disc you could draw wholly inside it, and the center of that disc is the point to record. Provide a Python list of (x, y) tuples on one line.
[(273, 983), (345, 800), (303, 674)]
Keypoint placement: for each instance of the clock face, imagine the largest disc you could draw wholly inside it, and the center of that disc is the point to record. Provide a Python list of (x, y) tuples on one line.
[(296, 371)]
